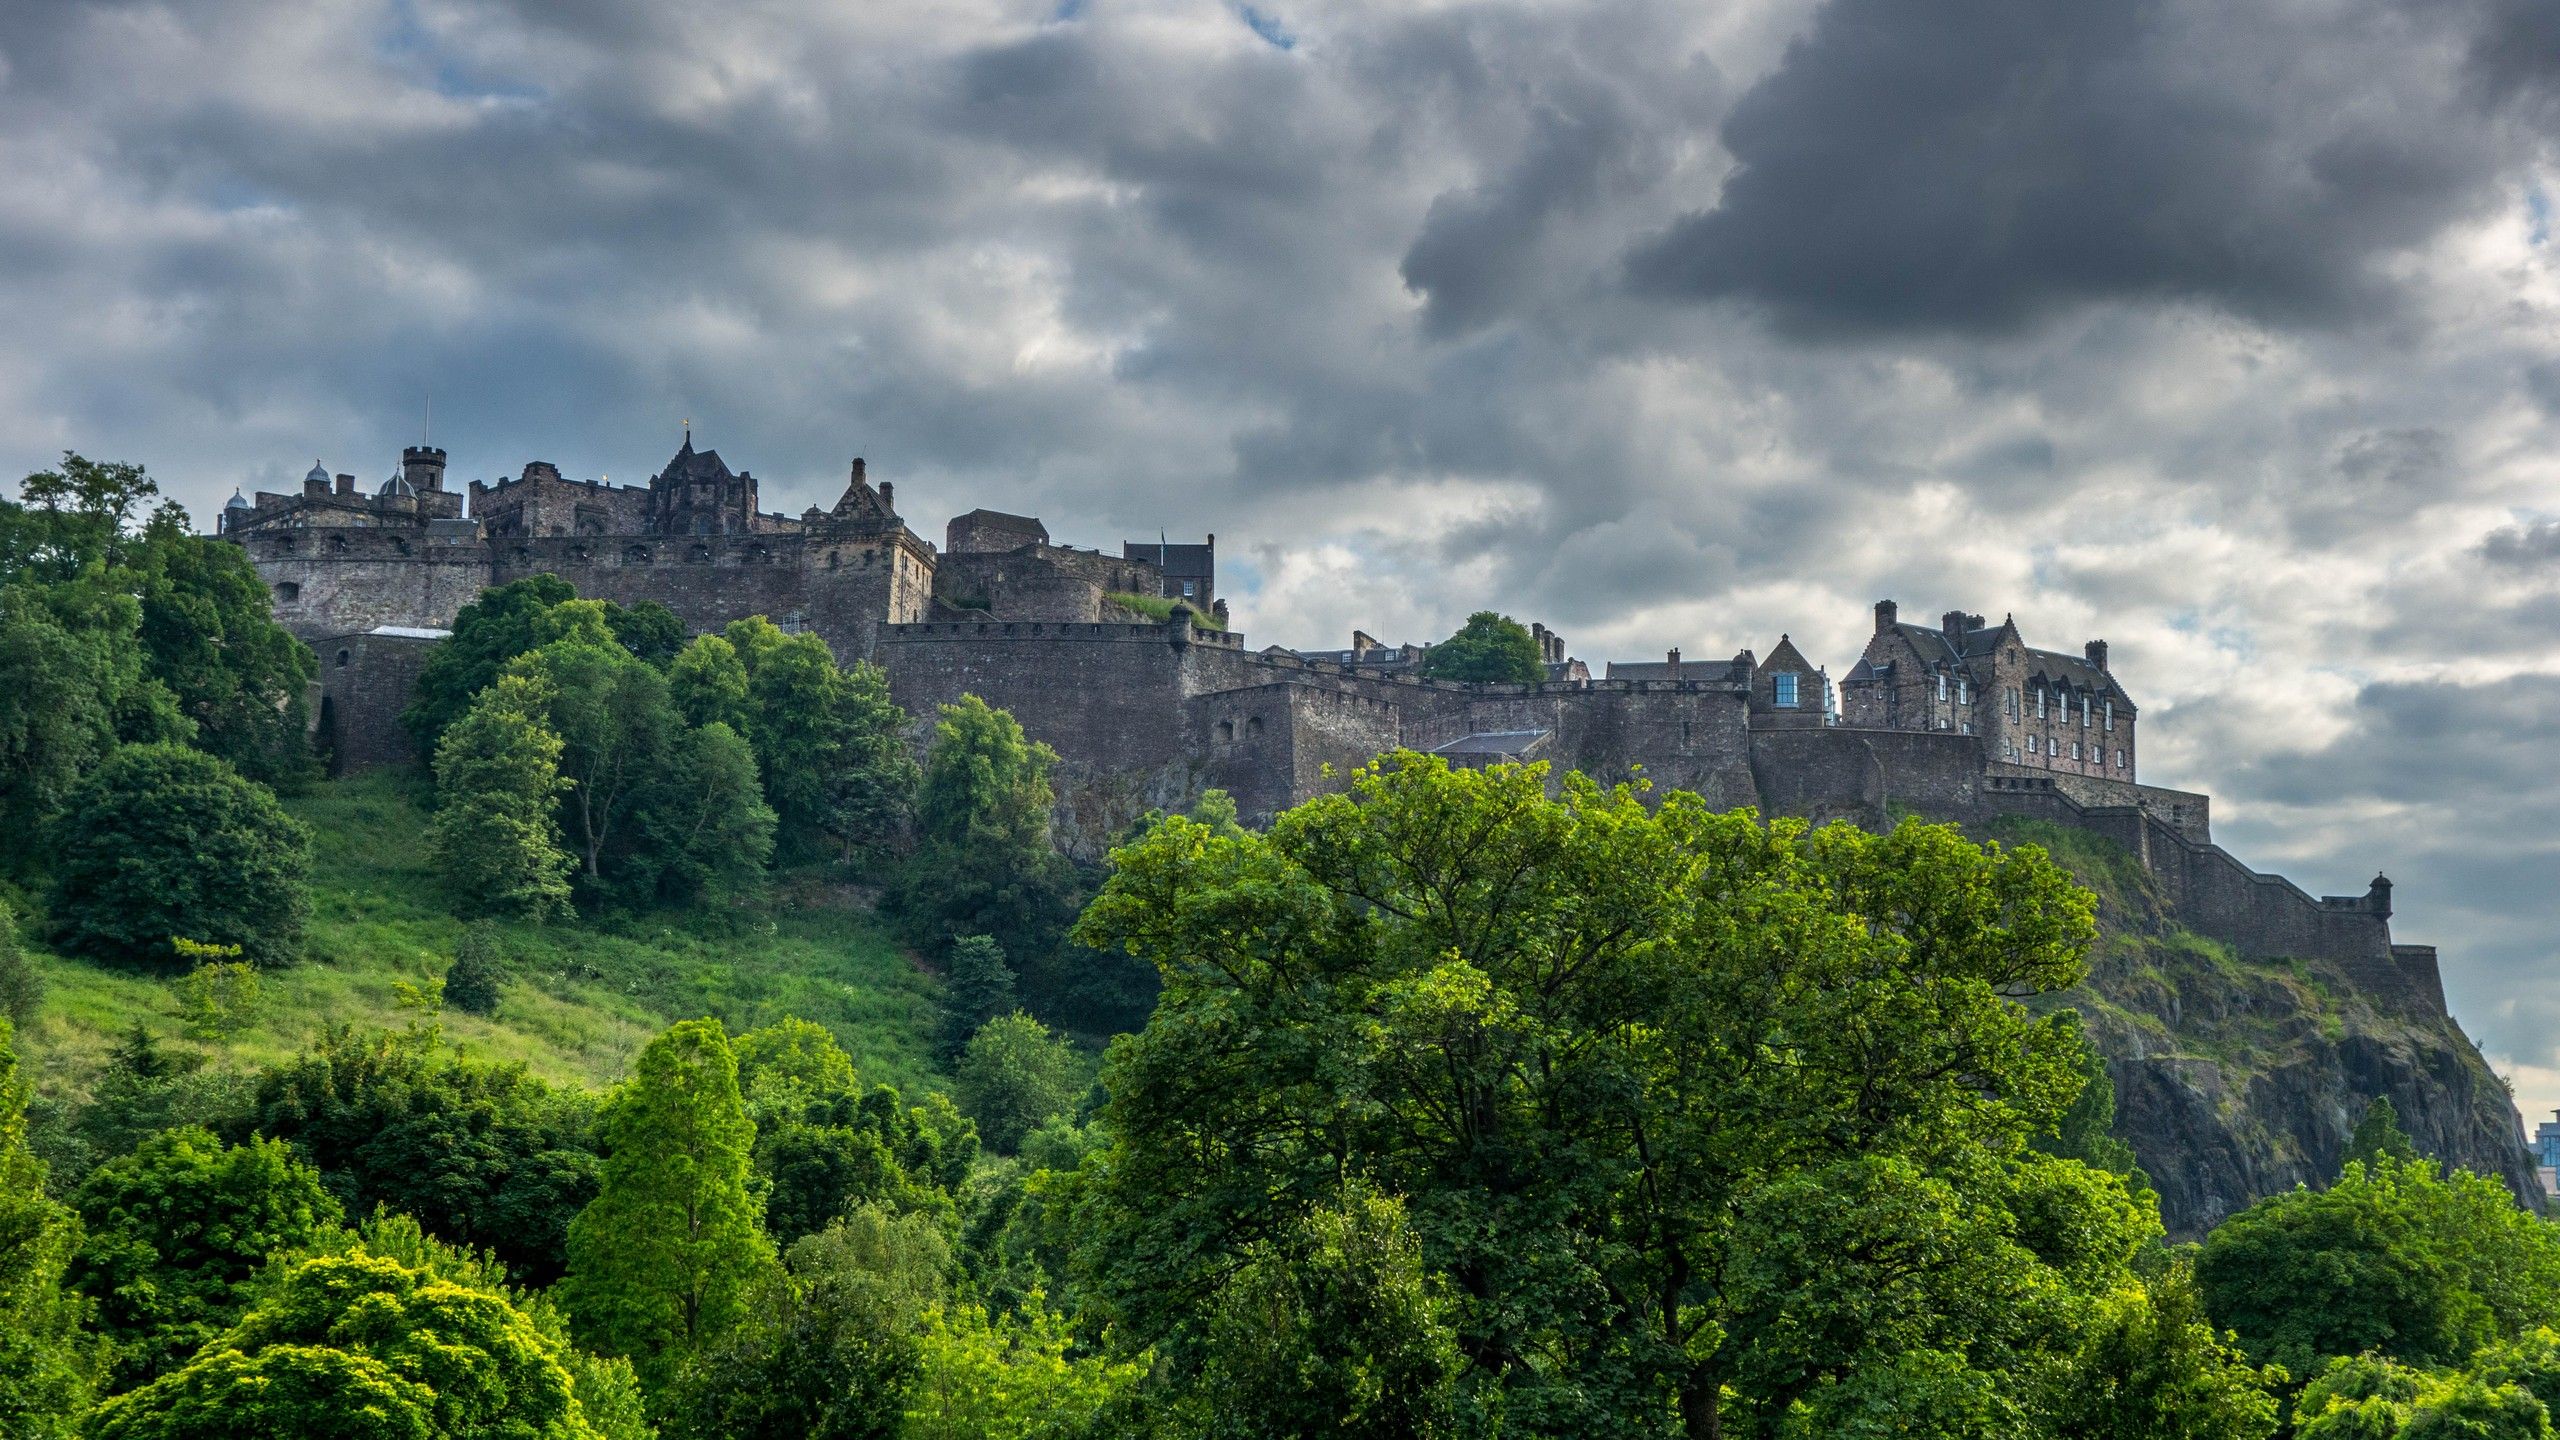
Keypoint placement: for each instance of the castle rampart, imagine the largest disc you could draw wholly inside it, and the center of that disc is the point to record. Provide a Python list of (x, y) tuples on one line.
[(1960, 722)]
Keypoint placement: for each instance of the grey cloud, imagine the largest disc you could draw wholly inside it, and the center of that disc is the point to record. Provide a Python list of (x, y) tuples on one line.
[(1975, 166)]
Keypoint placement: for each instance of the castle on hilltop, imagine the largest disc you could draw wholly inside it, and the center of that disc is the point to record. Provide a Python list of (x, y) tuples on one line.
[(1128, 665)]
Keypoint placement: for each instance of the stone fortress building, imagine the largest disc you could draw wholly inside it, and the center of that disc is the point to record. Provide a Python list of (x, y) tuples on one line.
[(1127, 664)]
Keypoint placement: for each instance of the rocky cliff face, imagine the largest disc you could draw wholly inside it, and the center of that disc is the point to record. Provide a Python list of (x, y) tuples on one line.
[(2240, 1078)]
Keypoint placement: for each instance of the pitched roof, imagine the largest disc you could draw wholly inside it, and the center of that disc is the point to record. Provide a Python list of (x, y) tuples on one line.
[(691, 465), (1176, 559), (1972, 648)]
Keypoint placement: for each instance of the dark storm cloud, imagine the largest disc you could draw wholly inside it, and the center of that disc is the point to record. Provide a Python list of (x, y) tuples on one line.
[(1974, 165)]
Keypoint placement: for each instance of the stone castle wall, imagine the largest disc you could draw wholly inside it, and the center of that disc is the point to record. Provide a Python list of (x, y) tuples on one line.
[(344, 580), (365, 681)]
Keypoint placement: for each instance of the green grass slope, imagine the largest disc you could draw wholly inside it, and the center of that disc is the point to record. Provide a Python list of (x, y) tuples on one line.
[(582, 997)]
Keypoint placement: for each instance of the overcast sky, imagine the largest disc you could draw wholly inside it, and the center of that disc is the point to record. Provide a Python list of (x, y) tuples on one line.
[(2227, 332)]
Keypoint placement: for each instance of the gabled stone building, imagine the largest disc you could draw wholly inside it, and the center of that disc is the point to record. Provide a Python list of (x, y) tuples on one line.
[(2036, 710)]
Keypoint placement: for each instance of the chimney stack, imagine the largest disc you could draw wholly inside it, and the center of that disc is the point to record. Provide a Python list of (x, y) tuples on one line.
[(889, 496), (857, 469), (1675, 662), (1951, 624), (1886, 614), (346, 484), (2096, 650)]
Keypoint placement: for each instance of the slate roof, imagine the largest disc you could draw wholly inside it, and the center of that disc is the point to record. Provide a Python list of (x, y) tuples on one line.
[(693, 466), (1504, 744), (999, 520), (1972, 650), (1193, 561)]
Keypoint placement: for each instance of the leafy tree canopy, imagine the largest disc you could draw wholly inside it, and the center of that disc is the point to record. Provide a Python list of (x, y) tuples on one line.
[(176, 1229), (1699, 1116), (483, 1154), (669, 1255), (47, 1365), (357, 1345), (1014, 1075), (162, 841), (1489, 647), (2395, 1259)]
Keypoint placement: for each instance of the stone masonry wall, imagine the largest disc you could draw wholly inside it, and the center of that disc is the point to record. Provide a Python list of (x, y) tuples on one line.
[(343, 581), (365, 682)]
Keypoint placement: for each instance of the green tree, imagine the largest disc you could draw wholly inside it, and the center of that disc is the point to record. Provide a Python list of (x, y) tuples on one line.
[(1700, 1116), (831, 742), (1489, 647), (1014, 1075), (829, 1352), (495, 837), (162, 841), (983, 863), (47, 1366), (2396, 1260), (471, 982), (175, 1231), (2378, 1136), (666, 1259), (357, 1345), (709, 684), (1012, 1378), (209, 635), (71, 688), (824, 1143), (489, 633), (483, 1154), (649, 630), (978, 988), (2155, 1369), (1336, 1330), (616, 728), (704, 829), (21, 988)]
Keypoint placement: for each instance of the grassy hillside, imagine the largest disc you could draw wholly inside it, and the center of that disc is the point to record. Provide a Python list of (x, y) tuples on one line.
[(583, 998)]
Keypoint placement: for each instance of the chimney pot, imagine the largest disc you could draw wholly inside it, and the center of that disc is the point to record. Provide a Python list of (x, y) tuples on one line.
[(2096, 650), (888, 495)]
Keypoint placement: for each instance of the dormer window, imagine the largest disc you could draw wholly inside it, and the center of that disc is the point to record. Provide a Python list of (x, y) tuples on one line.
[(1942, 685), (2111, 717), (2040, 694), (1785, 682)]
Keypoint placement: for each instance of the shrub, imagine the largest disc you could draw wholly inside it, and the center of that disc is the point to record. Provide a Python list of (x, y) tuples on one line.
[(163, 841)]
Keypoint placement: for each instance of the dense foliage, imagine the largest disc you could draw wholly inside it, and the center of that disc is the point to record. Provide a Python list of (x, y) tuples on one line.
[(162, 843), (1489, 647)]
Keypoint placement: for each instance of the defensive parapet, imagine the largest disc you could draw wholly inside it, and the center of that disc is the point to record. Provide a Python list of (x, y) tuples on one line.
[(1872, 775)]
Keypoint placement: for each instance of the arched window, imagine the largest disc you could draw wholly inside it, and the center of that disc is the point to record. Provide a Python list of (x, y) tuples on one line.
[(342, 659), (1226, 731)]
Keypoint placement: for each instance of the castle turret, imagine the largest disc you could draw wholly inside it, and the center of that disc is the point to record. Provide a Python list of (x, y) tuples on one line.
[(423, 467)]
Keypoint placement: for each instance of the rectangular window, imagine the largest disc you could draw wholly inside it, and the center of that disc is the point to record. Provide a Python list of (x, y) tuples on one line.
[(2111, 717), (2031, 745), (2039, 704), (1942, 687), (1190, 588), (2119, 757), (2084, 712), (2075, 749), (1786, 681), (2013, 702)]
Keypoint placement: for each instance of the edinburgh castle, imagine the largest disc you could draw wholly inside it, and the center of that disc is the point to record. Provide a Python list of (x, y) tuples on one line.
[(1128, 665)]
